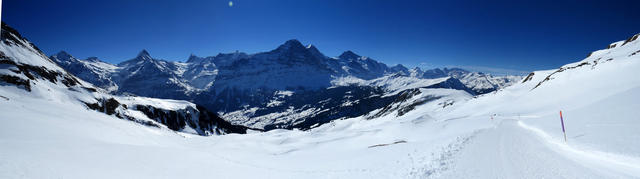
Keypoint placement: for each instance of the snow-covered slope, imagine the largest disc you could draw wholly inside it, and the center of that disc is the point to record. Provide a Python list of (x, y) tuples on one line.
[(396, 83), (597, 97), (26, 74), (480, 83), (513, 133), (347, 97)]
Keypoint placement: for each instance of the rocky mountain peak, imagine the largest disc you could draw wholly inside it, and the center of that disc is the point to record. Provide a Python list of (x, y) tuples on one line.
[(63, 55), (348, 55), (291, 45), (143, 55)]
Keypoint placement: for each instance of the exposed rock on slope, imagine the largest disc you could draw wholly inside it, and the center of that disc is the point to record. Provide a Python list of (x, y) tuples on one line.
[(23, 66)]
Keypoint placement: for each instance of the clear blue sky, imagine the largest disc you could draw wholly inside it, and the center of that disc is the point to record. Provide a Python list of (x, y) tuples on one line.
[(496, 34)]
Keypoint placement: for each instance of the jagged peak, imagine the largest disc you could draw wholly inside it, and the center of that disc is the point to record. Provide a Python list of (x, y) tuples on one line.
[(63, 54), (144, 53), (313, 50), (143, 56), (193, 58), (291, 44), (348, 55)]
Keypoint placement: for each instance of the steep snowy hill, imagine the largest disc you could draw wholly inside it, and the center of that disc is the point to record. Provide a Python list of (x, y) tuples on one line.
[(26, 74)]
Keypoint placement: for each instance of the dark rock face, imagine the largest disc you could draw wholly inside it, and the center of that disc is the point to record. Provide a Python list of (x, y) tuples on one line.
[(17, 81), (200, 119), (401, 98), (33, 73), (453, 83), (109, 106), (207, 119), (528, 78), (172, 119), (630, 39)]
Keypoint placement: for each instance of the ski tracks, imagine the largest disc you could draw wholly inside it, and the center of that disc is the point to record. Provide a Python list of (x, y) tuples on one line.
[(438, 162), (512, 151)]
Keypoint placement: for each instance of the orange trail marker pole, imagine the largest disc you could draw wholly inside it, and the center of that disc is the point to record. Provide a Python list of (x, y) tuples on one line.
[(563, 131)]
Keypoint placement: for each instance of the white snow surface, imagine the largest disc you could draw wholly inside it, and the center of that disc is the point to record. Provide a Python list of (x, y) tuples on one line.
[(512, 133), (393, 83), (480, 81)]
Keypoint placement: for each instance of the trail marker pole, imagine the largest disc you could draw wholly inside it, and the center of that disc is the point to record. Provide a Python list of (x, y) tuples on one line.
[(563, 131)]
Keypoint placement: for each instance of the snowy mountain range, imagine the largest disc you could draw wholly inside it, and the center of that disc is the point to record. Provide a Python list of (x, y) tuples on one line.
[(479, 82), (292, 86), (54, 124), (27, 71), (284, 88)]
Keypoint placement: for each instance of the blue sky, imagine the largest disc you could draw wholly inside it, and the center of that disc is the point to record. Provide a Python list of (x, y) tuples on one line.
[(489, 35)]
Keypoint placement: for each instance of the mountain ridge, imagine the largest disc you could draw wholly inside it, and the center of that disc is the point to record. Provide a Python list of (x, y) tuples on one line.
[(39, 78), (242, 87)]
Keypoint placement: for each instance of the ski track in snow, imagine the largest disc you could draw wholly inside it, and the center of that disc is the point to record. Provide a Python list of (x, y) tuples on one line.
[(614, 162), (441, 161), (514, 150)]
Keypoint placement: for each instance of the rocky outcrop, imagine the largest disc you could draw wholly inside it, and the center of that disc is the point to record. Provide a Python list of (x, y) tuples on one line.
[(199, 119)]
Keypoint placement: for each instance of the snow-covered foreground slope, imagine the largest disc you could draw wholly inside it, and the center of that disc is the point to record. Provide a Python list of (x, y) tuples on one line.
[(43, 138), (89, 144), (69, 142)]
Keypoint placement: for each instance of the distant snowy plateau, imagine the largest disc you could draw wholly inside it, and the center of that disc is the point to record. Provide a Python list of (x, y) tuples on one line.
[(295, 113)]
